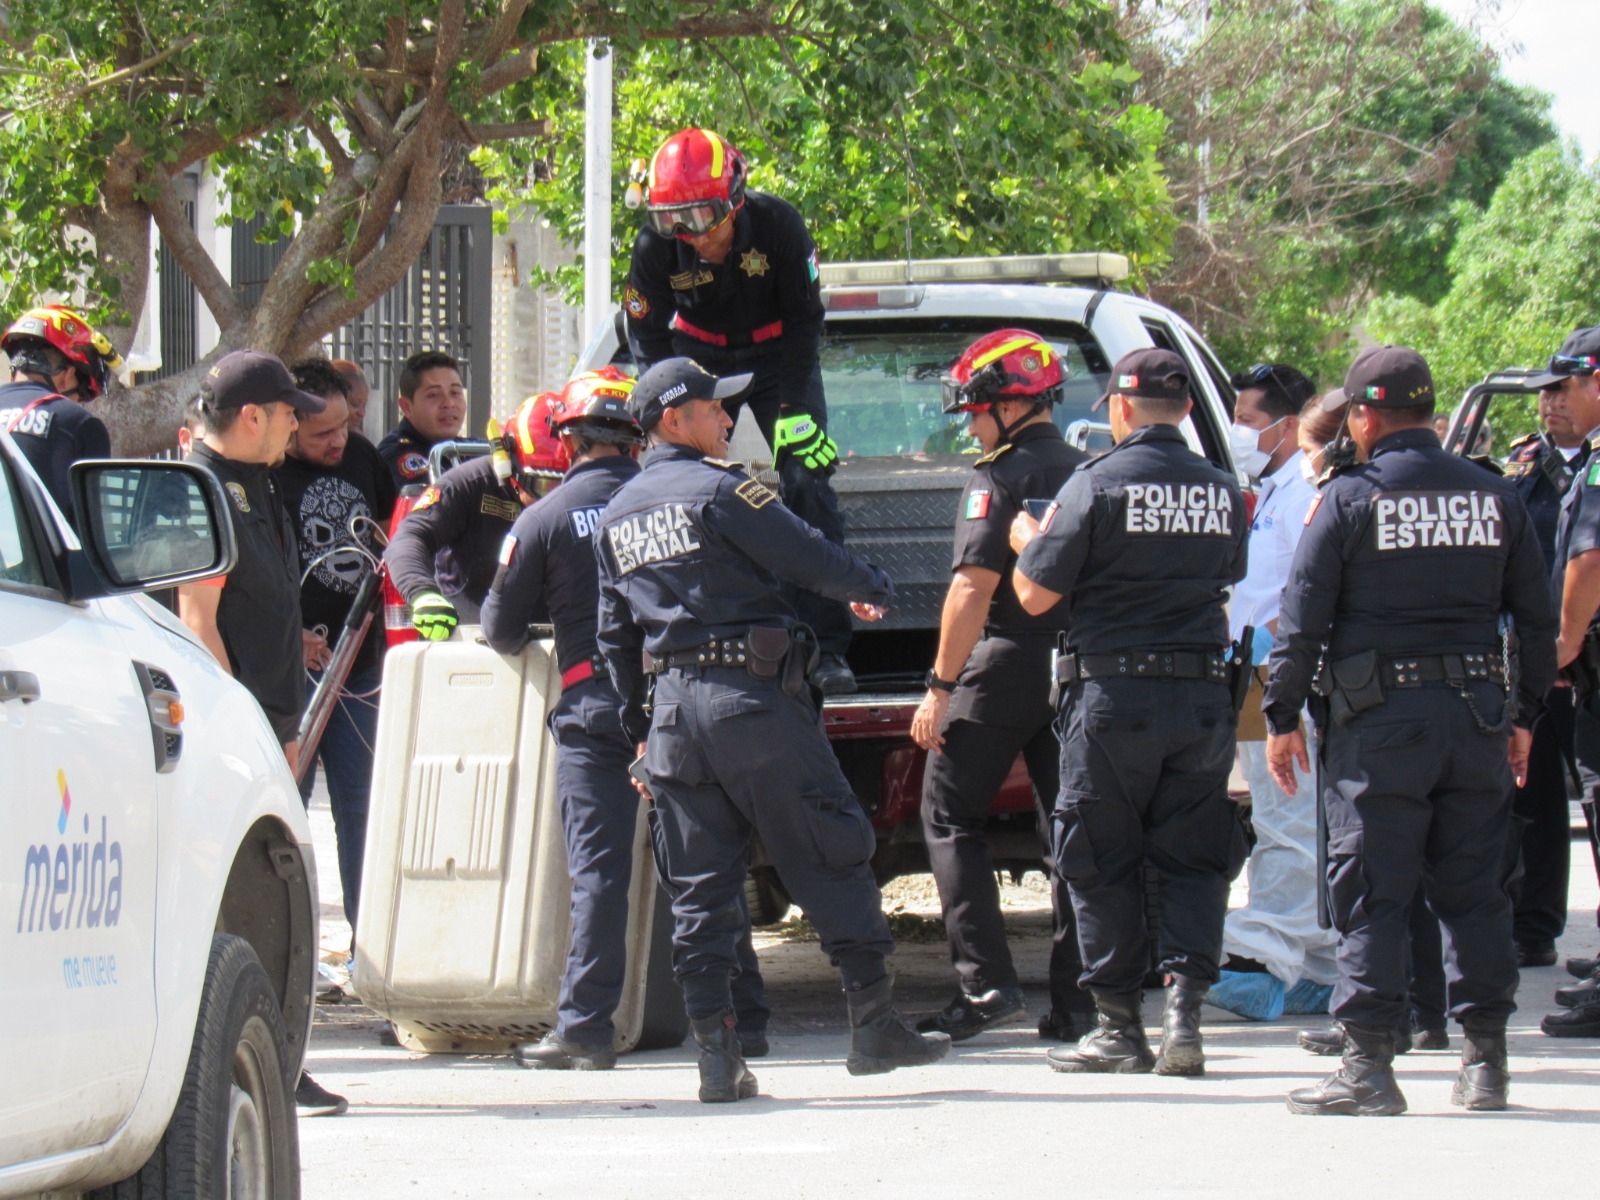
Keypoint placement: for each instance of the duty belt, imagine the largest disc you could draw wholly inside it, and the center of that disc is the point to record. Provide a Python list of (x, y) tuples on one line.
[(718, 652), (1145, 664), (587, 669), (762, 333), (1414, 671)]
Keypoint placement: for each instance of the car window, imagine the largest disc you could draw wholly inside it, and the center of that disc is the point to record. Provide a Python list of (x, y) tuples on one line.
[(882, 380), (19, 558)]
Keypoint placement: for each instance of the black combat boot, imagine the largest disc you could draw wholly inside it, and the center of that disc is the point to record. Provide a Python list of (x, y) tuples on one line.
[(723, 1076), (1181, 1051), (1330, 1040), (1363, 1086), (880, 1041), (1116, 1045), (1484, 1081)]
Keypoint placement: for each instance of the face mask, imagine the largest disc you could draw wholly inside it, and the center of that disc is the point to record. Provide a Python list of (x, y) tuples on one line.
[(1308, 466), (1246, 444)]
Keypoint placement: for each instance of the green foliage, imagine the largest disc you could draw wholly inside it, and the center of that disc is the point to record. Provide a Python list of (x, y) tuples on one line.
[(1522, 278), (1346, 140), (955, 150)]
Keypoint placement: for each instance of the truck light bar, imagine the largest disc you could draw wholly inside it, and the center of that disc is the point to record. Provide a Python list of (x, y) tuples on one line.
[(841, 299), (1090, 267)]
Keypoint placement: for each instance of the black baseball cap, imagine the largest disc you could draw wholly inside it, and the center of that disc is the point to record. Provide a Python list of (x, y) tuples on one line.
[(243, 377), (1579, 355), (1148, 374), (1389, 377), (675, 381)]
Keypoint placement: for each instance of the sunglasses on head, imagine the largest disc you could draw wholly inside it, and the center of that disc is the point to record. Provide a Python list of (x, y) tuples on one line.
[(1567, 364), (695, 219)]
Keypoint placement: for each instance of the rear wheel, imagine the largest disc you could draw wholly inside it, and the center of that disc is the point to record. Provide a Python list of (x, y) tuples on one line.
[(765, 897), (233, 1134)]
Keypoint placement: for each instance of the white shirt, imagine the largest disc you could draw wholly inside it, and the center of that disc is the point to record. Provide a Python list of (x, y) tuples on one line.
[(1280, 519)]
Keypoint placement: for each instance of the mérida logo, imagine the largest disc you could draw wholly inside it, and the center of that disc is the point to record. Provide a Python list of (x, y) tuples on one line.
[(72, 884)]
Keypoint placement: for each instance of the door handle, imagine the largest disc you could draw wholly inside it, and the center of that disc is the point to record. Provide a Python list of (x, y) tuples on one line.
[(19, 685)]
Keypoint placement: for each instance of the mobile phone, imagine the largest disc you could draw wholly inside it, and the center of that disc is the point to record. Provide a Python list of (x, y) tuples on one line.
[(636, 769), (1037, 508)]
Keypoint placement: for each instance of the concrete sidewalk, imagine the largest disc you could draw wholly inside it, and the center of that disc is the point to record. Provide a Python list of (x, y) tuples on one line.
[(991, 1120)]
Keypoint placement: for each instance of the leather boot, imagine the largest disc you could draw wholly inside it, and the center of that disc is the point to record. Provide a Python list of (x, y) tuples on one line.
[(1329, 1040), (1181, 1051), (1483, 1081), (880, 1041), (1363, 1086), (1116, 1045), (723, 1076)]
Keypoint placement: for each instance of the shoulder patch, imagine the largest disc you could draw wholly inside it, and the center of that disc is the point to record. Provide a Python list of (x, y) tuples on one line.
[(498, 506), (755, 493), (1593, 477), (1525, 447), (725, 464), (992, 455), (635, 302), (429, 497), (1049, 516), (1316, 502), (508, 549), (977, 507), (240, 498), (413, 465)]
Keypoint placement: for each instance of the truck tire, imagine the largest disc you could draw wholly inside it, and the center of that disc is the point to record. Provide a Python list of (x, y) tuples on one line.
[(765, 897), (233, 1133), (665, 1022)]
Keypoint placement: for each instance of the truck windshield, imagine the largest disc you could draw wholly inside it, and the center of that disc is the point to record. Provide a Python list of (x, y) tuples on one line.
[(882, 382)]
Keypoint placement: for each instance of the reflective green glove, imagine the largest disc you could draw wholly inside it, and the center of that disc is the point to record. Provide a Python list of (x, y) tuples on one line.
[(433, 617), (802, 437)]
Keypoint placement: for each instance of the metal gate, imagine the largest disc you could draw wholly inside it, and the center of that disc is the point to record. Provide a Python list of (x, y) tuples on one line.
[(443, 303)]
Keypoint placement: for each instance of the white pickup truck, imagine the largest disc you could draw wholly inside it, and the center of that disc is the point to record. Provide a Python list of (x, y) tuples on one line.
[(157, 886)]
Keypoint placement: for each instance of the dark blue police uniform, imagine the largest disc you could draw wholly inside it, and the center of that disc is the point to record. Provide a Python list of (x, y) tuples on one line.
[(1579, 532), (1542, 473), (405, 449), (450, 540), (758, 311), (1000, 709), (1144, 543), (53, 432), (690, 555), (1407, 564), (548, 574)]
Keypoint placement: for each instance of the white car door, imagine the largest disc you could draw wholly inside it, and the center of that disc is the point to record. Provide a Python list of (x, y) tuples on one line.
[(77, 857)]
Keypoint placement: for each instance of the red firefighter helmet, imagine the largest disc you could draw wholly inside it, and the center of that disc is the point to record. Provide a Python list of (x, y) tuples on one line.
[(1009, 363), (595, 403), (91, 353), (539, 458), (696, 183)]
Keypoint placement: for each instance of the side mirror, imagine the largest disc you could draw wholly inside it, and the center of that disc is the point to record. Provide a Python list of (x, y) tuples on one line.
[(147, 524)]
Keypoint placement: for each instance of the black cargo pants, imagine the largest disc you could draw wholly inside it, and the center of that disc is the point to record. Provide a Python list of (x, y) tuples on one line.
[(1144, 774), (1417, 792), (1000, 710), (729, 754)]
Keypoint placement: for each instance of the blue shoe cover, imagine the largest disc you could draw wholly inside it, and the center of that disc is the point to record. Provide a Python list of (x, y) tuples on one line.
[(1254, 995), (1306, 998)]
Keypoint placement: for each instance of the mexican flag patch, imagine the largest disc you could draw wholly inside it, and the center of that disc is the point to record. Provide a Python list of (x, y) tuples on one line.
[(1594, 474), (977, 505)]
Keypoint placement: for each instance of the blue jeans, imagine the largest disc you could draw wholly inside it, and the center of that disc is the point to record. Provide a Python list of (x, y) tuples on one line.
[(345, 753)]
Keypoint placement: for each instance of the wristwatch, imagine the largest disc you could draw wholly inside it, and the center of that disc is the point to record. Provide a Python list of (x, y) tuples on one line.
[(943, 685)]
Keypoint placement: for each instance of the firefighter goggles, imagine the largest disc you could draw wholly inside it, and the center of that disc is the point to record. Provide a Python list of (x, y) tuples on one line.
[(695, 219), (977, 392)]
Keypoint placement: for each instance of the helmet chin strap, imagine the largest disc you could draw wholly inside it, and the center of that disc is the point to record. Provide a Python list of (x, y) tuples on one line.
[(1007, 430)]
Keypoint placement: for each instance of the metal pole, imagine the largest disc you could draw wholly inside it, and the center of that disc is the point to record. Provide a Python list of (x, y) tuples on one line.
[(597, 189)]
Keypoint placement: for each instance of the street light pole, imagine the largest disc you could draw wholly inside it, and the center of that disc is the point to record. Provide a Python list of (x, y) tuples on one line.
[(597, 189)]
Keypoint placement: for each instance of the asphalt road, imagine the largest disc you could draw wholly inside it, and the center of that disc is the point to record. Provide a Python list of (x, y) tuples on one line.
[(991, 1120)]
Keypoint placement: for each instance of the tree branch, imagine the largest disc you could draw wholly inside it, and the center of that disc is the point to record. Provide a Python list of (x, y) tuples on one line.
[(505, 29), (542, 127), (185, 246)]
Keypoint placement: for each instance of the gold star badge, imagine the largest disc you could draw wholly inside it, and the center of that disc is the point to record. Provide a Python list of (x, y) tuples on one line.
[(753, 262)]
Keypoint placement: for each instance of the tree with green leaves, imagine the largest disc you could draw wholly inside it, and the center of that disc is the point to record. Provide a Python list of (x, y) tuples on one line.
[(343, 120), (1321, 151), (1522, 279)]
